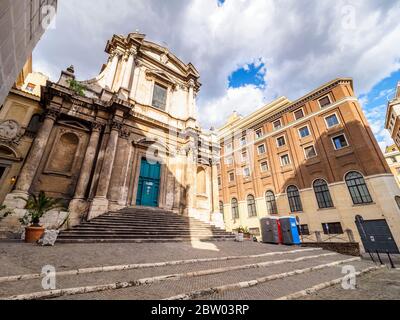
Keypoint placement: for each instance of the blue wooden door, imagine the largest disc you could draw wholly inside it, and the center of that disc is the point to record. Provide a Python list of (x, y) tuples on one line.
[(149, 184)]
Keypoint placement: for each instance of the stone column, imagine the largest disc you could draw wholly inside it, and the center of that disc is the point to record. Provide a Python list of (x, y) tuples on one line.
[(99, 205), (191, 193), (191, 100), (217, 217), (113, 69), (32, 162), (116, 193), (128, 69), (79, 205)]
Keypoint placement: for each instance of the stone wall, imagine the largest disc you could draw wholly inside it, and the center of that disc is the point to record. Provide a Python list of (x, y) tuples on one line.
[(349, 248)]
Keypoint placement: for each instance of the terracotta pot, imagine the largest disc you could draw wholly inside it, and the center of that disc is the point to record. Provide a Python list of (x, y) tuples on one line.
[(33, 234)]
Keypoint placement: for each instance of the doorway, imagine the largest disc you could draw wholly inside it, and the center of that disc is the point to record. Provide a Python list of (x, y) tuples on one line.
[(149, 184)]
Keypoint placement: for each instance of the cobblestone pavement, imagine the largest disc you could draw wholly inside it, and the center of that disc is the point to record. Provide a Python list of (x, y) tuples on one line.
[(20, 258), (381, 285)]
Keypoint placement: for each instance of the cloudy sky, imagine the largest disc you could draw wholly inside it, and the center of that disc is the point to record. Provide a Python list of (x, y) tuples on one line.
[(248, 52)]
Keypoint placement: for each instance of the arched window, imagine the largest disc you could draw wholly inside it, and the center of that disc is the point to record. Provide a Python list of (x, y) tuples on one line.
[(323, 195), (201, 181), (64, 153), (34, 124), (271, 203), (221, 207), (397, 198), (294, 199), (235, 209), (358, 189), (251, 206)]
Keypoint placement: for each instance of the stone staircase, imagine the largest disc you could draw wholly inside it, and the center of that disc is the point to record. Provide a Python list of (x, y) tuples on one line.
[(142, 225)]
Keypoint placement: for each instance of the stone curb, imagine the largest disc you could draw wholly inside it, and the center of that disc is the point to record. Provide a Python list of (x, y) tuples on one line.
[(148, 265), (247, 284), (152, 280), (325, 285)]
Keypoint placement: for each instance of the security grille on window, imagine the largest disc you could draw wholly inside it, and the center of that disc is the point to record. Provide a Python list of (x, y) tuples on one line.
[(358, 189), (332, 228), (304, 132), (271, 203), (324, 102), (310, 152), (294, 199), (159, 97), (251, 206), (323, 194), (340, 142), (304, 230), (235, 209), (332, 121)]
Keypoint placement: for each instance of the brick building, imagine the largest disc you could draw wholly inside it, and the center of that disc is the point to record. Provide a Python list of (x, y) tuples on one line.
[(315, 158)]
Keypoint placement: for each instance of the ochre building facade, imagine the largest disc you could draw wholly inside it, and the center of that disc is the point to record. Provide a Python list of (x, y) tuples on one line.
[(316, 159)]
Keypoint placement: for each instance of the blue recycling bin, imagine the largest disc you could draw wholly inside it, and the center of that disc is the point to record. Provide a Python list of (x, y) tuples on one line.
[(290, 232)]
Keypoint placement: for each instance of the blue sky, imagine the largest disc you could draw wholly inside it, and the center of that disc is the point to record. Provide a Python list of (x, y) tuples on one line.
[(248, 52)]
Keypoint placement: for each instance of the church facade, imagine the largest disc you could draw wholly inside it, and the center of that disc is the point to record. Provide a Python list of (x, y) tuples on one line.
[(128, 137)]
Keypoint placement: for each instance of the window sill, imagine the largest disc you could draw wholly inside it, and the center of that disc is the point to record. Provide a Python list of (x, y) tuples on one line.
[(326, 209), (364, 204)]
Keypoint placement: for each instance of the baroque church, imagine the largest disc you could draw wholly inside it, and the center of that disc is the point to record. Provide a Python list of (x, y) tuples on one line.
[(127, 138)]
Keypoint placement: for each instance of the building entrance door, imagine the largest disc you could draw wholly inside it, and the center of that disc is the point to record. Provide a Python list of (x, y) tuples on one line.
[(149, 184), (376, 236)]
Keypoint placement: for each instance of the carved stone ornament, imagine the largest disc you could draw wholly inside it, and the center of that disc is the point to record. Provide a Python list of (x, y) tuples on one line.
[(164, 58), (10, 131)]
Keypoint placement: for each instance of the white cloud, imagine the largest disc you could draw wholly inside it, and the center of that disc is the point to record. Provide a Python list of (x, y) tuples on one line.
[(241, 100), (302, 43)]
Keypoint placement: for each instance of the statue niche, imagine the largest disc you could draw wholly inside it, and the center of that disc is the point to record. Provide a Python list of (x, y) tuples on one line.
[(64, 153)]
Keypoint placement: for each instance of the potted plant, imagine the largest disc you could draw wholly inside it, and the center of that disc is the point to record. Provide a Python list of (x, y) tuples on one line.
[(246, 233), (37, 207)]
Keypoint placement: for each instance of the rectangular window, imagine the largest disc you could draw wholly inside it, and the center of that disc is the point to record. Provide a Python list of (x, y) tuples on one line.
[(244, 156), (299, 114), (332, 121), (229, 161), (324, 102), (30, 87), (340, 142), (246, 172), (243, 141), (261, 149), (304, 230), (259, 133), (281, 141), (264, 166), (310, 152), (228, 147), (285, 160), (332, 228), (159, 97), (304, 132), (219, 181), (277, 124), (231, 177)]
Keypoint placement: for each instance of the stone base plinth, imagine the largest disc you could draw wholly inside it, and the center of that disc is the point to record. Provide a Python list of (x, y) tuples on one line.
[(78, 209), (217, 219), (13, 200), (98, 207)]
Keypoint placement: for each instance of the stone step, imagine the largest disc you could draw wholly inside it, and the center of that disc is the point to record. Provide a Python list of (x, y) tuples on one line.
[(126, 219), (137, 235), (140, 240), (139, 225), (148, 224), (145, 231)]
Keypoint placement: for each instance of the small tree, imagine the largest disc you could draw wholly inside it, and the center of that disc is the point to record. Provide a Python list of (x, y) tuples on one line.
[(37, 207), (77, 87)]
